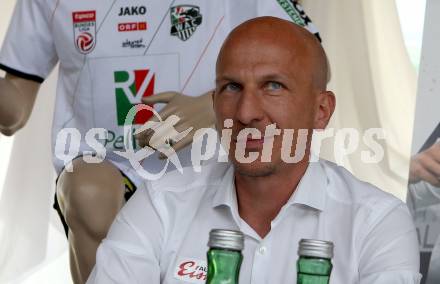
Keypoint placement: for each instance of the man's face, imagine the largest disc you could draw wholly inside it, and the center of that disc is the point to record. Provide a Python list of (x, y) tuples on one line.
[(262, 83)]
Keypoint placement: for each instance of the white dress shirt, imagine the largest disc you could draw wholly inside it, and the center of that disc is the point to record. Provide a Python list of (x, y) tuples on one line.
[(161, 235)]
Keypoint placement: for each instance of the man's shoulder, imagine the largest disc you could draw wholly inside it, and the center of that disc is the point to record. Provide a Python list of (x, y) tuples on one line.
[(362, 204), (347, 189), (188, 179), (176, 197)]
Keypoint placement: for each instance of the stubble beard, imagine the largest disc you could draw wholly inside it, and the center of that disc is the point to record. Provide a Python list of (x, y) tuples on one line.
[(255, 171)]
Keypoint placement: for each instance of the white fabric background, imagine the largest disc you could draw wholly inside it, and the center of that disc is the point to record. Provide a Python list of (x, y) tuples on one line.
[(373, 81)]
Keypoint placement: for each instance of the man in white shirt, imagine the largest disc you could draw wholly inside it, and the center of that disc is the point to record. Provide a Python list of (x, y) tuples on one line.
[(112, 56), (269, 72)]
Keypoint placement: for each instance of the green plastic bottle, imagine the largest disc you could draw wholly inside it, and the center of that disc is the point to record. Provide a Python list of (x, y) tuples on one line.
[(314, 265), (224, 256)]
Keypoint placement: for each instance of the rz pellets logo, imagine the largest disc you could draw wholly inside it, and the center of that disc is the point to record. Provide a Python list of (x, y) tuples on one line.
[(130, 88)]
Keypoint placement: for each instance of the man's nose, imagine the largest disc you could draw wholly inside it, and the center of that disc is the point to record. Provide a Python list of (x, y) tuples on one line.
[(249, 108)]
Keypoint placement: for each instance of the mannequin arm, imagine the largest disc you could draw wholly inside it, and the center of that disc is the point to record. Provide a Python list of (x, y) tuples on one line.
[(17, 98)]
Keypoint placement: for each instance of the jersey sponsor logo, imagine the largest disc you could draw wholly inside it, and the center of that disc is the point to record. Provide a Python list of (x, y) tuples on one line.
[(132, 11), (130, 88), (291, 8), (184, 21), (84, 31), (131, 27), (137, 43), (298, 16), (191, 270)]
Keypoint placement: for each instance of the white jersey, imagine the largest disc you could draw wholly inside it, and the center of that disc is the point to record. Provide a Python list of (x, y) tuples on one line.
[(114, 53)]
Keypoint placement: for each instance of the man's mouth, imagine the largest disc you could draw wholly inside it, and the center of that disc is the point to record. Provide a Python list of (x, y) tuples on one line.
[(252, 143)]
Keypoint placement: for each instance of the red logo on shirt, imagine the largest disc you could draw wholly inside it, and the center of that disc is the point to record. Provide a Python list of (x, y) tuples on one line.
[(84, 31), (191, 270), (85, 16), (130, 27)]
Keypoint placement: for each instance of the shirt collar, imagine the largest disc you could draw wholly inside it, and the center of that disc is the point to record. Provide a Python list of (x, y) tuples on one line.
[(311, 190), (225, 194)]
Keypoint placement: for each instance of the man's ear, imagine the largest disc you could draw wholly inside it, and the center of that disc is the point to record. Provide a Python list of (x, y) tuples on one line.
[(326, 103)]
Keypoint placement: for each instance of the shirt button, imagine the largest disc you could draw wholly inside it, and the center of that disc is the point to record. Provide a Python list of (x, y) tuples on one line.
[(262, 250)]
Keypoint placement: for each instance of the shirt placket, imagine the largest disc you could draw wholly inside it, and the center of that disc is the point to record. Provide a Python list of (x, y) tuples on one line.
[(262, 262)]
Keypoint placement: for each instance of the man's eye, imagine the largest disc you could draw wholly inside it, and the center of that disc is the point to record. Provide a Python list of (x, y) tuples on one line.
[(272, 86), (232, 87)]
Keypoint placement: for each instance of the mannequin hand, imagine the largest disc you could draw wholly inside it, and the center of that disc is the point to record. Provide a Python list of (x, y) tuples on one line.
[(193, 113), (426, 166)]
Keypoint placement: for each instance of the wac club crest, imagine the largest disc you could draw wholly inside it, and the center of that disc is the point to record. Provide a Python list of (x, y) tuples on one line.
[(84, 31), (184, 20)]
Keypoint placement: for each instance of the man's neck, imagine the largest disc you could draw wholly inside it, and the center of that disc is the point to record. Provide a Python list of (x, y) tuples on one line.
[(260, 199)]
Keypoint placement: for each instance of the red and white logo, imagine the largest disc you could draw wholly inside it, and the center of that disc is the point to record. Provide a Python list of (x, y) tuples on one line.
[(191, 270), (84, 30), (131, 27)]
